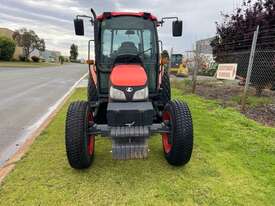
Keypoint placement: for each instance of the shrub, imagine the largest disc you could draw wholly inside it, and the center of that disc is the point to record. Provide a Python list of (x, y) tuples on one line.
[(35, 58), (61, 59), (22, 58), (7, 48)]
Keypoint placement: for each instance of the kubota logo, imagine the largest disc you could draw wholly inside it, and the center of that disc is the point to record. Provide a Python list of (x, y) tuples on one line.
[(129, 89)]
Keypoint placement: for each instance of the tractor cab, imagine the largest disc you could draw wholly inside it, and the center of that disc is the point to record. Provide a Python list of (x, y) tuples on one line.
[(128, 40), (176, 60), (129, 95)]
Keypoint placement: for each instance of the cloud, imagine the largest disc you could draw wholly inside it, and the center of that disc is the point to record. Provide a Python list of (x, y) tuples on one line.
[(52, 19)]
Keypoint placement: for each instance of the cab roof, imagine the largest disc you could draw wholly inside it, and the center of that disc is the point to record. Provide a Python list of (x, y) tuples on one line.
[(145, 15)]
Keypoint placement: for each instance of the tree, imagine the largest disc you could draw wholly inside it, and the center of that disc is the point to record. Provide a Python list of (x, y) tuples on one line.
[(74, 52), (235, 34), (7, 48), (29, 40)]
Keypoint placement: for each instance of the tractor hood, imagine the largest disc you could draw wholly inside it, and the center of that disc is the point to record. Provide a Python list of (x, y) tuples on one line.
[(128, 75)]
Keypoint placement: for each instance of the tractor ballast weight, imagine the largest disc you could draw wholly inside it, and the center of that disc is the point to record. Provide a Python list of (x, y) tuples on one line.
[(129, 95)]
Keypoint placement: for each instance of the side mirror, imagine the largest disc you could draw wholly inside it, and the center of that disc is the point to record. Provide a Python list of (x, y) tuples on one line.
[(79, 27), (177, 28)]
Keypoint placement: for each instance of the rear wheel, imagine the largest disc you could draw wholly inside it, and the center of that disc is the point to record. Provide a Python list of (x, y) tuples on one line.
[(165, 88), (178, 144), (79, 145)]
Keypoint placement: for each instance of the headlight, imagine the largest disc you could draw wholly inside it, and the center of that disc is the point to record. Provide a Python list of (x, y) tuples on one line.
[(141, 94), (117, 94)]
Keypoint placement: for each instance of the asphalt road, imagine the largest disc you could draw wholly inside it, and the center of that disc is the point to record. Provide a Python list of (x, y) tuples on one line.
[(26, 94)]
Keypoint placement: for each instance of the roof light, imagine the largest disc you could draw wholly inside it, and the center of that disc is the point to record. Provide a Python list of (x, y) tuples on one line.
[(146, 15), (107, 15)]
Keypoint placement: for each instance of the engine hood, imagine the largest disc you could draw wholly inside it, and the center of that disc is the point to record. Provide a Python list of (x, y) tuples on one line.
[(128, 75)]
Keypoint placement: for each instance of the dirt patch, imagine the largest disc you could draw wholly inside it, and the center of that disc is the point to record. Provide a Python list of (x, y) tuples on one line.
[(218, 91), (229, 93), (264, 114)]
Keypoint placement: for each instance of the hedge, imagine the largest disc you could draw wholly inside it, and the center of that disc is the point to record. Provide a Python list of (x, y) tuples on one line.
[(7, 48)]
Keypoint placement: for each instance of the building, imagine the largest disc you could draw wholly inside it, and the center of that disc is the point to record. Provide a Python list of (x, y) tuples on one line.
[(204, 47), (8, 33), (47, 55), (50, 56)]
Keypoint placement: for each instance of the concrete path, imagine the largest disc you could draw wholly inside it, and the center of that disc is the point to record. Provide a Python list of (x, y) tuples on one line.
[(26, 95)]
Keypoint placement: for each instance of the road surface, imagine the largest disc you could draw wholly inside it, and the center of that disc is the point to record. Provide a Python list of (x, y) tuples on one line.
[(26, 94)]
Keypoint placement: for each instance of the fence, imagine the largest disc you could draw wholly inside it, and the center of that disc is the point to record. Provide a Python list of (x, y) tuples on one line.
[(256, 67)]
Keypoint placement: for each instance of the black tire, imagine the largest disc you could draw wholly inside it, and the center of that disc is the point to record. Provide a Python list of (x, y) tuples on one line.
[(180, 140), (91, 91), (165, 95), (79, 145)]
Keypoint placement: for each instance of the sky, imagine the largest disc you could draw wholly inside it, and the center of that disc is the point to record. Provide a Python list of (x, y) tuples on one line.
[(52, 20)]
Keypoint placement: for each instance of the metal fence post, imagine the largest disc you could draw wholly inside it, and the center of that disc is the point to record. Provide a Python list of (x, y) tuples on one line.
[(249, 69), (195, 72)]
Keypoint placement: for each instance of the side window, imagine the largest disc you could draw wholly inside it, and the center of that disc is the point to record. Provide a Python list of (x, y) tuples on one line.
[(148, 42), (147, 39), (106, 43)]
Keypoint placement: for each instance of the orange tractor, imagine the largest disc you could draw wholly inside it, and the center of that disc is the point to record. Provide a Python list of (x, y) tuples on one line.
[(129, 96)]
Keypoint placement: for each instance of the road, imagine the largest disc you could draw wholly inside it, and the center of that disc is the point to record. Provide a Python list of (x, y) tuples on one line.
[(26, 94)]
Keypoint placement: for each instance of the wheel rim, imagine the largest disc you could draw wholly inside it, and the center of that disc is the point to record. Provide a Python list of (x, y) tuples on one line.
[(91, 138), (165, 136)]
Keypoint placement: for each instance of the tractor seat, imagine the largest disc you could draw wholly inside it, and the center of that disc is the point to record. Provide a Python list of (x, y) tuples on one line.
[(127, 47)]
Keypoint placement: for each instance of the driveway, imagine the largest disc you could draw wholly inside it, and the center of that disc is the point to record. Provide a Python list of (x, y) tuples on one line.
[(26, 95)]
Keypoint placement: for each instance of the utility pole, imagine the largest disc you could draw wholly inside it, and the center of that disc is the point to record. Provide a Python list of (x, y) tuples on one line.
[(170, 59)]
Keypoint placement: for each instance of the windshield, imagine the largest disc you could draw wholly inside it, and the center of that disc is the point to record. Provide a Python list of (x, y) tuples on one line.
[(176, 59), (127, 35)]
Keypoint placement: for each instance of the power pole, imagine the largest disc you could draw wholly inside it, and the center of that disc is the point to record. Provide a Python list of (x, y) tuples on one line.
[(171, 52)]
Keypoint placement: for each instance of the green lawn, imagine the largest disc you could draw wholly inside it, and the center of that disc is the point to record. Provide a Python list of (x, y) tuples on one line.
[(26, 64), (233, 163)]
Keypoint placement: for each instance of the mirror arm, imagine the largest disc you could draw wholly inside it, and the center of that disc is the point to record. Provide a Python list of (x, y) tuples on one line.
[(86, 16), (168, 18)]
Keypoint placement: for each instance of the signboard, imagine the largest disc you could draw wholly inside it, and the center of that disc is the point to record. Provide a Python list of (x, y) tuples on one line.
[(227, 71)]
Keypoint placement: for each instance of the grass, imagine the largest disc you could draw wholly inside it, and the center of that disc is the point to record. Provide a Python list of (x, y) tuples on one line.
[(26, 64), (183, 85), (233, 163), (253, 101)]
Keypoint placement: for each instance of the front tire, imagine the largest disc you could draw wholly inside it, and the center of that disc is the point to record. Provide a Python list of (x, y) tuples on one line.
[(178, 144), (165, 95), (79, 145)]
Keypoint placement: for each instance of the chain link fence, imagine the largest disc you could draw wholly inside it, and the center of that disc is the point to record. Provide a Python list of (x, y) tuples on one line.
[(255, 68), (254, 85)]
